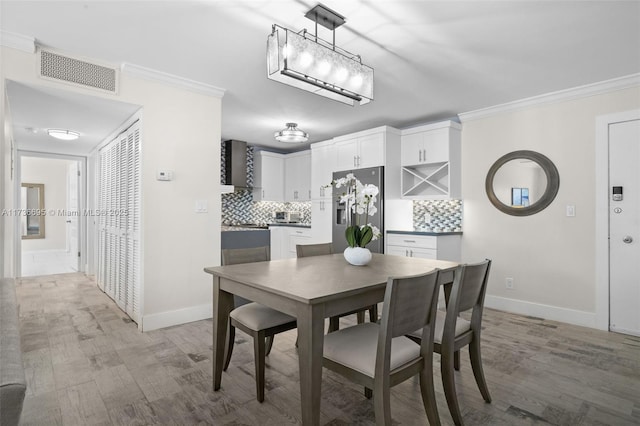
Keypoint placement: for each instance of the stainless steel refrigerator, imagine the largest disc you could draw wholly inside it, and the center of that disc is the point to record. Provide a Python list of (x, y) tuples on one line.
[(372, 175)]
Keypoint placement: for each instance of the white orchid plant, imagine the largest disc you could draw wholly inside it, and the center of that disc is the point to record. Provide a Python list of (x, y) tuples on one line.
[(359, 199)]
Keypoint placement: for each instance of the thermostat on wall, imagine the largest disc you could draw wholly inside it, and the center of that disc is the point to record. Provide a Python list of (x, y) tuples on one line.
[(164, 175)]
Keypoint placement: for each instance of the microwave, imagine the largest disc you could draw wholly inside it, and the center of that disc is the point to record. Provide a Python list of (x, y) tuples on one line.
[(288, 217)]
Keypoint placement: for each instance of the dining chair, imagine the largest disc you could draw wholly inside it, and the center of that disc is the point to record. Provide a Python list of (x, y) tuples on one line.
[(379, 356), (453, 332), (305, 250), (259, 321)]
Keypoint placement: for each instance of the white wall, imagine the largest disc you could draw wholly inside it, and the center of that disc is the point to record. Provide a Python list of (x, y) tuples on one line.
[(181, 132), (53, 174), (550, 256)]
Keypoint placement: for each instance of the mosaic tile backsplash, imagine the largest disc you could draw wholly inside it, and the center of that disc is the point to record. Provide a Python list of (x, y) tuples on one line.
[(446, 215), (239, 207)]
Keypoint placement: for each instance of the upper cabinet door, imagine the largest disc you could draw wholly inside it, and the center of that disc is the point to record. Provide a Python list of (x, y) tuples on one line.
[(268, 171), (371, 150), (298, 176), (347, 154), (323, 161)]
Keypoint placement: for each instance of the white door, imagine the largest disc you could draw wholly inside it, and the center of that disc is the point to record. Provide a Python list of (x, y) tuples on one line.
[(624, 227), (73, 206)]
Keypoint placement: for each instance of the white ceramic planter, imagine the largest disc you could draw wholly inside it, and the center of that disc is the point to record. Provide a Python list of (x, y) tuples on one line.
[(358, 256)]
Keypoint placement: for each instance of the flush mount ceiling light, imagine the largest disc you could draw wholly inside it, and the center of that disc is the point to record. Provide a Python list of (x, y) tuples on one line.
[(291, 134), (65, 135), (307, 62)]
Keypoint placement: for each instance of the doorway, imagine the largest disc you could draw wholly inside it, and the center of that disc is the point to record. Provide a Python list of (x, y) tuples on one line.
[(56, 248), (618, 227)]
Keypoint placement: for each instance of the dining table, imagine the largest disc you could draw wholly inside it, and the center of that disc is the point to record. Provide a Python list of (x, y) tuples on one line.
[(310, 289)]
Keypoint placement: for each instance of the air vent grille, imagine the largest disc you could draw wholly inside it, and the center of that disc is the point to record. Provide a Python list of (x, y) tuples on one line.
[(75, 71)]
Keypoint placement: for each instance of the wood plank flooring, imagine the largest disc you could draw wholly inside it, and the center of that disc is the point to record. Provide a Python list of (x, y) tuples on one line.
[(87, 364)]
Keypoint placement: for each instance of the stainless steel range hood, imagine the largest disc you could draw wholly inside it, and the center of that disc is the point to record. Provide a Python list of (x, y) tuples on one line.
[(235, 164)]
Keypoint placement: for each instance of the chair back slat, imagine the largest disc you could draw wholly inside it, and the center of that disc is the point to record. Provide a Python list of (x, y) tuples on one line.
[(408, 303), (306, 250), (245, 255), (474, 283)]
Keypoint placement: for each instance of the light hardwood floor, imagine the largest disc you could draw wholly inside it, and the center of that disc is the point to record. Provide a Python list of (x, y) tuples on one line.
[(86, 363)]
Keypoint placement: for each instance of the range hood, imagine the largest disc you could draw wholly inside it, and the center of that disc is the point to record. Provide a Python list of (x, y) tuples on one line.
[(235, 159)]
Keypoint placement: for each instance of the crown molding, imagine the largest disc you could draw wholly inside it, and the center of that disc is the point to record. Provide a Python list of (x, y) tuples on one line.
[(553, 97), (171, 79), (18, 41)]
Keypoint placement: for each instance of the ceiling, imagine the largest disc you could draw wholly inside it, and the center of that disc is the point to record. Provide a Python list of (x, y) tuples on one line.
[(432, 59)]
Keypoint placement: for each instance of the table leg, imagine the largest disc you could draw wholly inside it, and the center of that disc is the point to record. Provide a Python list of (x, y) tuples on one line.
[(310, 344), (222, 305)]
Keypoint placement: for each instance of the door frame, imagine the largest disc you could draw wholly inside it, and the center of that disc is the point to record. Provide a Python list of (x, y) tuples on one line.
[(602, 211), (82, 205)]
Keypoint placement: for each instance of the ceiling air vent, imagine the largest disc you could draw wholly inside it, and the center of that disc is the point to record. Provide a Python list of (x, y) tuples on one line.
[(78, 72)]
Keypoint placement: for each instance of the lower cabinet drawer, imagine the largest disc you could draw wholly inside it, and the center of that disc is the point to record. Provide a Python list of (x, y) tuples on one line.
[(407, 240), (298, 236)]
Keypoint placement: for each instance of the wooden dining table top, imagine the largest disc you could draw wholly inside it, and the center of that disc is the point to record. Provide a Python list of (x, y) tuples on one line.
[(319, 279)]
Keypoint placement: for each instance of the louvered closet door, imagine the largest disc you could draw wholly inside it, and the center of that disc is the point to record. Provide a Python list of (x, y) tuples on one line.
[(119, 228), (132, 305)]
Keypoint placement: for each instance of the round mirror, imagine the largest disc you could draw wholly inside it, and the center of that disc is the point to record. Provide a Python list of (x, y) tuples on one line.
[(522, 183)]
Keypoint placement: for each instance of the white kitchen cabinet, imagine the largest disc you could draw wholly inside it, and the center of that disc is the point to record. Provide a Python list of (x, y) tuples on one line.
[(441, 247), (321, 220), (297, 181), (285, 238), (323, 163), (361, 150), (277, 237), (297, 236), (268, 176), (431, 161)]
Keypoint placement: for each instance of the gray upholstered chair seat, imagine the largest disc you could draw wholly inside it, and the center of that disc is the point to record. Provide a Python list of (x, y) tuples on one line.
[(462, 325), (356, 347), (259, 317)]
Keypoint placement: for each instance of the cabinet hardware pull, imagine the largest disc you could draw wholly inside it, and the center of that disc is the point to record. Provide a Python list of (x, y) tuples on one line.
[(411, 251), (420, 156), (263, 193), (406, 253), (409, 241)]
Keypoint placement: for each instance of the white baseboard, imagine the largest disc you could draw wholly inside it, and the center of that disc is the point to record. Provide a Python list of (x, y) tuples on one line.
[(555, 313), (177, 317)]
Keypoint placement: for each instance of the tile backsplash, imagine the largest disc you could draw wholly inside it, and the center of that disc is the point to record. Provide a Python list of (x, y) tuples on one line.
[(239, 207), (442, 215)]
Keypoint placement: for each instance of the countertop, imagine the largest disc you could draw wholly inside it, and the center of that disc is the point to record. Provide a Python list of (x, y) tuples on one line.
[(260, 227), (430, 233), (295, 225), (233, 228)]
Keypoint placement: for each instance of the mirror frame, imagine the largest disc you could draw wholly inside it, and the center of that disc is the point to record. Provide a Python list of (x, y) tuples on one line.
[(553, 183), (40, 233)]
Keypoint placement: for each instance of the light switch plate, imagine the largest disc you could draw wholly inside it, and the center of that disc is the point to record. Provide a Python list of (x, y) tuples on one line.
[(202, 206), (571, 210)]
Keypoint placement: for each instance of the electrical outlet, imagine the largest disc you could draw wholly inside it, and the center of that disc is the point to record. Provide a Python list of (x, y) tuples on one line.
[(508, 282), (427, 218)]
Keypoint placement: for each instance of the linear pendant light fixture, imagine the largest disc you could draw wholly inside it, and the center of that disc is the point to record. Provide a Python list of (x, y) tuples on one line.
[(307, 62)]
